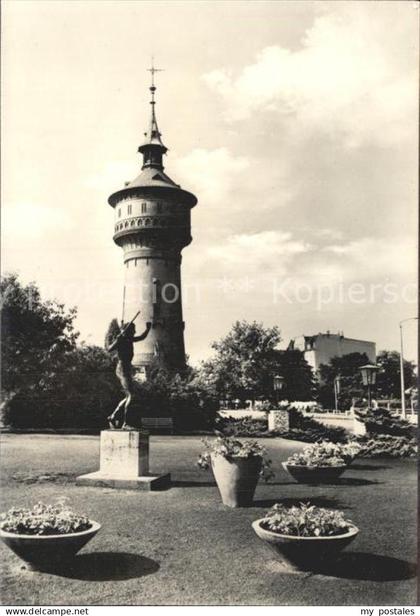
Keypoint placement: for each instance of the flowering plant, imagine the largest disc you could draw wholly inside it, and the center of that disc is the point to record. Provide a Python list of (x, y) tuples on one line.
[(350, 450), (230, 448), (305, 521), (318, 454), (54, 519)]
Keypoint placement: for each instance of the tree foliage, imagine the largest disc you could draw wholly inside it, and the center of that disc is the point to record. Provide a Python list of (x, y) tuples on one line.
[(47, 380), (388, 380), (246, 361), (35, 335), (351, 386), (299, 381), (185, 396)]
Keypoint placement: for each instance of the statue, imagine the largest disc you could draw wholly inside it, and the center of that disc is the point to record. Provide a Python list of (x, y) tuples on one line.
[(123, 345)]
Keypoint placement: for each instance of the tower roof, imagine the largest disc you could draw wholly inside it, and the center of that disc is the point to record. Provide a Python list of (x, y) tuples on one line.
[(152, 175)]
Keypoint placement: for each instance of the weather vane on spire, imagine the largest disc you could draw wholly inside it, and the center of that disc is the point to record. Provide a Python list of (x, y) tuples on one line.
[(154, 70)]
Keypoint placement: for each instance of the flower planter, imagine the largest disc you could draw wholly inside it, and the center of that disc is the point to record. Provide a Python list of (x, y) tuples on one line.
[(314, 474), (348, 459), (304, 553), (42, 551), (236, 478)]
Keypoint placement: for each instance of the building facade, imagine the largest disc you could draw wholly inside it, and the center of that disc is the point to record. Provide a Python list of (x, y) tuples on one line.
[(321, 348), (152, 226)]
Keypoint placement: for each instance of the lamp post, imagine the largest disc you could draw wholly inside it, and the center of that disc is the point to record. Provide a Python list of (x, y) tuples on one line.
[(369, 378), (278, 384), (403, 410), (337, 387)]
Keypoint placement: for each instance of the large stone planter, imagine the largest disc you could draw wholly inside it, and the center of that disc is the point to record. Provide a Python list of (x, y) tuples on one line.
[(236, 478), (304, 553), (314, 474), (43, 551)]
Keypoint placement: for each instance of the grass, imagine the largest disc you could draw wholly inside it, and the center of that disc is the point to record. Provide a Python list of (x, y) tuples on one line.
[(182, 546)]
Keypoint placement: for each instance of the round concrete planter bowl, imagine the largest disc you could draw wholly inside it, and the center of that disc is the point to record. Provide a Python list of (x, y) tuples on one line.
[(314, 474), (304, 553), (349, 459), (236, 478), (42, 551)]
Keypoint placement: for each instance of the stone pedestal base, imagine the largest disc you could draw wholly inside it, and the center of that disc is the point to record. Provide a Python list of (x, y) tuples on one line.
[(278, 421), (124, 463)]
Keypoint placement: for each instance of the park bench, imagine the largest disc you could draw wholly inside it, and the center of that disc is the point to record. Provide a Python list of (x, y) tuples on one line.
[(158, 424)]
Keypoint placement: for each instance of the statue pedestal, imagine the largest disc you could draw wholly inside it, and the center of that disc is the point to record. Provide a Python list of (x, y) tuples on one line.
[(124, 463)]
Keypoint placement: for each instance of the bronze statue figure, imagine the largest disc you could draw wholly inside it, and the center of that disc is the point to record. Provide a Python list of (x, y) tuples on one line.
[(123, 345)]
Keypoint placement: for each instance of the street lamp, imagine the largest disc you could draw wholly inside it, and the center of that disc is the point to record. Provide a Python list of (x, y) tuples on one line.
[(278, 384), (369, 378), (403, 411), (337, 387)]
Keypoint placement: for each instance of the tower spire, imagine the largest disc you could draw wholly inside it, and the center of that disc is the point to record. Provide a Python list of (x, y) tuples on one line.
[(154, 130), (153, 148)]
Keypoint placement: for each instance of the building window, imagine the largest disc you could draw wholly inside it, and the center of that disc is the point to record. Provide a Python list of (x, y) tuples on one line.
[(159, 208), (119, 212), (143, 208), (129, 209)]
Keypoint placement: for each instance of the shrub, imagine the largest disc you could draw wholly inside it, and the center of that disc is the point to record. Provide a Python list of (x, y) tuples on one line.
[(381, 421), (302, 428), (54, 519), (79, 393), (308, 430), (230, 448), (387, 446), (306, 521), (184, 397), (245, 426)]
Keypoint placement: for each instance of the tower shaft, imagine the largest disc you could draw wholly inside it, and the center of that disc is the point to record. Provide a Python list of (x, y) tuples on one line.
[(152, 226)]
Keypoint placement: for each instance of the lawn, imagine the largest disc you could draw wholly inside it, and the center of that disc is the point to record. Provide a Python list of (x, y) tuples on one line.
[(182, 546)]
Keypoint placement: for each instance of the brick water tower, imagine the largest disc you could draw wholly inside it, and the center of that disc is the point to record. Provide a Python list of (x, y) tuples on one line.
[(152, 226)]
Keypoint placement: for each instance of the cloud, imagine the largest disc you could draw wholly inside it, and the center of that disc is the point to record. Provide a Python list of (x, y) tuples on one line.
[(270, 255), (258, 250), (345, 78), (375, 258), (212, 174)]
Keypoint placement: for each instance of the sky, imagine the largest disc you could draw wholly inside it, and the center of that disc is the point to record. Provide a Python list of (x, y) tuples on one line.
[(294, 123)]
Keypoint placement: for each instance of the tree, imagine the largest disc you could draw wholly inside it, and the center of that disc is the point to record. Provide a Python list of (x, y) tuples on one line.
[(243, 365), (299, 381), (47, 380), (351, 386), (35, 334), (388, 380), (247, 360)]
